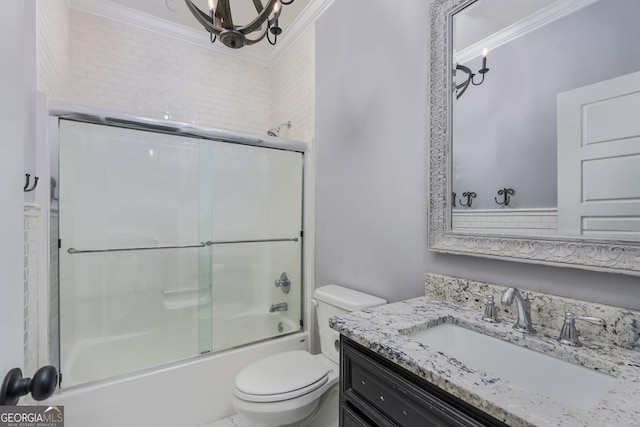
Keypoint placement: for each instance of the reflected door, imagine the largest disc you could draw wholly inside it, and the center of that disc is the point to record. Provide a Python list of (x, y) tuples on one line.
[(599, 158)]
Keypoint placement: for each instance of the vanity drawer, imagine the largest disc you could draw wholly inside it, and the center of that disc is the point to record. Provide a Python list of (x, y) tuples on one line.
[(351, 418), (390, 396)]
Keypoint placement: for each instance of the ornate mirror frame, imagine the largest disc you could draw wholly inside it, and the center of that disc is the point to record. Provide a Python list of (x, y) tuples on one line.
[(616, 256)]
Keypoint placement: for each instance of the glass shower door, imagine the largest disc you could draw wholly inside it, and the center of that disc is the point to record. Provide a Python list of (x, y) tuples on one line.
[(129, 257), (252, 211), (172, 246)]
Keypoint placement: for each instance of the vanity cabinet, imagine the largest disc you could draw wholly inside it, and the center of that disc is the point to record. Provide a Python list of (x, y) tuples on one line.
[(375, 392)]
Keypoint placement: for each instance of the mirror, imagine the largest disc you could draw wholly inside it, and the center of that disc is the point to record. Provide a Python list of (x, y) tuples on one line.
[(535, 145)]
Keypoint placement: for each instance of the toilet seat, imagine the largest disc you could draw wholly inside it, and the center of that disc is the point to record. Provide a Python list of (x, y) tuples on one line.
[(282, 376)]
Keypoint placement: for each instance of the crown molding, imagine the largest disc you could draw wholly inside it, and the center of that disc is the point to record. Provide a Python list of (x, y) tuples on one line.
[(553, 12), (126, 15), (308, 17)]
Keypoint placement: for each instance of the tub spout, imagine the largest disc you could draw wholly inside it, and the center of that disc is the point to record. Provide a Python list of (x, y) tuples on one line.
[(281, 306)]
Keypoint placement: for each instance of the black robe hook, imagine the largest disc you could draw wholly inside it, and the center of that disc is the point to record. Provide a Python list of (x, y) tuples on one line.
[(26, 183), (506, 192), (470, 195)]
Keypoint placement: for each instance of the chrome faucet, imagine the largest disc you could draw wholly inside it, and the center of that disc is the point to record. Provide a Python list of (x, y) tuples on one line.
[(523, 324), (281, 306)]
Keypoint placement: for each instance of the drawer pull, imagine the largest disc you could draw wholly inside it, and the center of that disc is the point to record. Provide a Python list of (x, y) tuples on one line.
[(382, 398)]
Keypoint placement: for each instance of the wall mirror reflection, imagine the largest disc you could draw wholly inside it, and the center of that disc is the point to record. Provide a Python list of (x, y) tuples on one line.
[(545, 127)]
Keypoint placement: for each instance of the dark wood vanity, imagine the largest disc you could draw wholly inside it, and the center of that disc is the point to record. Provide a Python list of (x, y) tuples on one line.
[(376, 392)]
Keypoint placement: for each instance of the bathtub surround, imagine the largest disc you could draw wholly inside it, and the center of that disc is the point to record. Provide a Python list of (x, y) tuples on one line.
[(384, 330)]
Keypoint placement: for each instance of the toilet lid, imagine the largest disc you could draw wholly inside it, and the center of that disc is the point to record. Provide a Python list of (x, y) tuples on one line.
[(281, 376)]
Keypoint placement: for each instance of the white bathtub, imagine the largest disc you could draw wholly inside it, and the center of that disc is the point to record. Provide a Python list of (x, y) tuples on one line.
[(233, 331), (189, 393), (105, 357)]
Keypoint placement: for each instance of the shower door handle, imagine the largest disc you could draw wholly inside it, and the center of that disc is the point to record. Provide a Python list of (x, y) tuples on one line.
[(73, 251)]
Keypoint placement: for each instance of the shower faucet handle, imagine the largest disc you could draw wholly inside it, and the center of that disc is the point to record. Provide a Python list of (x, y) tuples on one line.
[(284, 283)]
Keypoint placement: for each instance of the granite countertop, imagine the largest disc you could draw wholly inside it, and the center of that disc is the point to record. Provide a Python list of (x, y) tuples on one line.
[(384, 330)]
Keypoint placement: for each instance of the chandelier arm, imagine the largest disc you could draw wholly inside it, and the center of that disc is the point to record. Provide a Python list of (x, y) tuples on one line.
[(464, 85), (262, 17), (203, 18), (258, 5), (479, 83), (275, 39), (262, 36), (225, 13)]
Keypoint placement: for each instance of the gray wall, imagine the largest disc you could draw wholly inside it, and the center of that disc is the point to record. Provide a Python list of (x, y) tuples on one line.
[(371, 156), (372, 165)]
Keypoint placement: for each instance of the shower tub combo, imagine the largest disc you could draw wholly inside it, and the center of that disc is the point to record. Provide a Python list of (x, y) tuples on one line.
[(179, 261)]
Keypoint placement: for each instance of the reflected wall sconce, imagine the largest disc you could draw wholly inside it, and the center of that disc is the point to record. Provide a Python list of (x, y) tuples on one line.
[(462, 87), (506, 193)]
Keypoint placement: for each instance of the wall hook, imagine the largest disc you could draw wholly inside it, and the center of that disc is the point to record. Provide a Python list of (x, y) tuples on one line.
[(26, 183), (470, 195), (506, 192)]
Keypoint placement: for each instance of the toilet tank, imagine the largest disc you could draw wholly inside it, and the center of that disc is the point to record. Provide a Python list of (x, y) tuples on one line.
[(331, 301)]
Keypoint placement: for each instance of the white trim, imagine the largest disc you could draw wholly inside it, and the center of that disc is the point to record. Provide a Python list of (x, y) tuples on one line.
[(506, 211), (126, 15), (547, 15), (306, 19)]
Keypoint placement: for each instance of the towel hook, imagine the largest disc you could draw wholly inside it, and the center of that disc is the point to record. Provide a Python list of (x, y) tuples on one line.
[(26, 183), (470, 195), (506, 192)]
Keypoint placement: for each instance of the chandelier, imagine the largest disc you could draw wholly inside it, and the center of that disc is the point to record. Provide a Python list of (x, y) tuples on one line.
[(219, 22)]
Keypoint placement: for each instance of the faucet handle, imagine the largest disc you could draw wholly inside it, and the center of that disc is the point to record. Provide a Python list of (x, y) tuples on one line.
[(490, 314), (569, 333), (594, 320)]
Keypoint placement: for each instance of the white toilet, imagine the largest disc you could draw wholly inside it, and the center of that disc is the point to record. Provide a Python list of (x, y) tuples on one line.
[(296, 387)]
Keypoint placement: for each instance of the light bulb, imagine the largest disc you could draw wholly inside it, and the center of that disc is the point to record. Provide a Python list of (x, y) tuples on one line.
[(213, 4), (484, 59)]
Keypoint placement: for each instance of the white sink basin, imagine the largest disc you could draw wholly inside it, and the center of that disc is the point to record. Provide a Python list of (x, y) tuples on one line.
[(569, 384)]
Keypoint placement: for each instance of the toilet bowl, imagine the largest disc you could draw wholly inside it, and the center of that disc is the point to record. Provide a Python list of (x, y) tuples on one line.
[(296, 387)]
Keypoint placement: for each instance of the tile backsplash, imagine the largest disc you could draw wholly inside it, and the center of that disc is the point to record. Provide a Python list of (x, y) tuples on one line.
[(547, 311)]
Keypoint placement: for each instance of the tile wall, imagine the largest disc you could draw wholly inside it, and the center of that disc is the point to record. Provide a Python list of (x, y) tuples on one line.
[(539, 222), (31, 277)]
